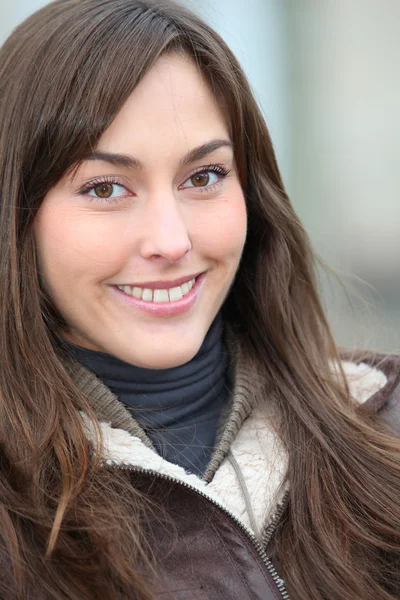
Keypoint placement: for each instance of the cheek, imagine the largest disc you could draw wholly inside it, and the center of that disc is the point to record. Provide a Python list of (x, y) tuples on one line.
[(74, 246), (222, 233)]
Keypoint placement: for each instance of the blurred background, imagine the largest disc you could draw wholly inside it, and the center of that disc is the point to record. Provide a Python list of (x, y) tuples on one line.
[(326, 74)]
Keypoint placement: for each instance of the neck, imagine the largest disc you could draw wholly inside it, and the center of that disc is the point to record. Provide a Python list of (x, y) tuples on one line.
[(178, 408)]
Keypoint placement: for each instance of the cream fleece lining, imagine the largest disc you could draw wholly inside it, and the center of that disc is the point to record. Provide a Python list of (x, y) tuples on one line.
[(256, 449)]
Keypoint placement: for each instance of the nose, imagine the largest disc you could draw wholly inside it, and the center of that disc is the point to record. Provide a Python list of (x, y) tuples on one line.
[(165, 233)]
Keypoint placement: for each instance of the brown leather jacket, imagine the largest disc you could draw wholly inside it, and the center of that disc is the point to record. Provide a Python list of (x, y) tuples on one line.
[(214, 554), (211, 557)]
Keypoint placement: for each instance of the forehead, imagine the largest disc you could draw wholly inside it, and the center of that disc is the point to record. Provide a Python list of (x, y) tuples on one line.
[(171, 110)]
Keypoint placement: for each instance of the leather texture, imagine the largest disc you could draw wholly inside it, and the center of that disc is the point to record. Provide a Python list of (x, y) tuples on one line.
[(203, 530), (209, 556), (201, 551), (386, 402)]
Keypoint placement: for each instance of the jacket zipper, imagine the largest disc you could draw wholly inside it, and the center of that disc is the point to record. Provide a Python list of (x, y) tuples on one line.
[(271, 526), (260, 551)]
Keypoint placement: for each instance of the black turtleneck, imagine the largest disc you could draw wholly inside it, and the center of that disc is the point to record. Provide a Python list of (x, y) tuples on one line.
[(179, 408)]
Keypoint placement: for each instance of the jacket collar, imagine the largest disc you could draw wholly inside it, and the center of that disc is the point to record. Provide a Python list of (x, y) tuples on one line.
[(248, 456), (110, 410), (385, 401)]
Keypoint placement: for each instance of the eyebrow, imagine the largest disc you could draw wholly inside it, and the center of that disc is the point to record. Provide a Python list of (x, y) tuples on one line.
[(125, 160)]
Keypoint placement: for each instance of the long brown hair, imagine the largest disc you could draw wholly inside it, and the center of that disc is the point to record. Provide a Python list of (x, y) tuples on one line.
[(70, 527)]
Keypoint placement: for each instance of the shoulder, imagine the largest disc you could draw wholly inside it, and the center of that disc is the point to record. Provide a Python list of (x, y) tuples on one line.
[(374, 381)]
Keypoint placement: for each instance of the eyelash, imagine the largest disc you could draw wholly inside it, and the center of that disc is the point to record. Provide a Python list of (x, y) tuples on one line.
[(94, 183), (211, 168)]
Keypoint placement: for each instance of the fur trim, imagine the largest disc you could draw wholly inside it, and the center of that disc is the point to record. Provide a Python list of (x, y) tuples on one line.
[(256, 449), (262, 462), (363, 380), (122, 448)]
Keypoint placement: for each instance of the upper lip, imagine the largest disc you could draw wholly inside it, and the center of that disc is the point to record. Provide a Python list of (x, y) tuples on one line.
[(161, 285)]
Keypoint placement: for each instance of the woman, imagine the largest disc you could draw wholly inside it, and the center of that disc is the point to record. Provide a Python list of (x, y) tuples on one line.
[(176, 421)]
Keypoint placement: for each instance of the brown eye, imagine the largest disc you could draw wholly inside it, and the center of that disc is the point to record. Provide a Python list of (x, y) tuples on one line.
[(200, 179), (104, 190), (205, 179)]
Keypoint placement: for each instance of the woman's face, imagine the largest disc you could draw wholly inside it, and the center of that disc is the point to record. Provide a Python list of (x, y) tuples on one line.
[(157, 205)]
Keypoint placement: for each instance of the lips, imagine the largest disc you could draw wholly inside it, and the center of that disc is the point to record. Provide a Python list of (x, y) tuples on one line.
[(158, 307), (162, 285), (171, 294)]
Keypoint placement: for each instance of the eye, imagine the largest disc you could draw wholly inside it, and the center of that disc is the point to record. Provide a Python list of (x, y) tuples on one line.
[(106, 191), (206, 177), (202, 179)]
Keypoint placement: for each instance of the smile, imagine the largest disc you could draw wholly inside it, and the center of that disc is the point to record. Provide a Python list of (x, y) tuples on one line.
[(166, 295)]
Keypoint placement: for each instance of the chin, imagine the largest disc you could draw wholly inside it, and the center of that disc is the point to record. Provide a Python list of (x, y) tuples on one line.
[(165, 362), (162, 359), (162, 356)]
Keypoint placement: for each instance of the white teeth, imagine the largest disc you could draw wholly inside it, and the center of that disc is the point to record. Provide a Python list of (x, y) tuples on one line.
[(170, 295), (147, 294), (175, 293), (161, 296), (185, 288)]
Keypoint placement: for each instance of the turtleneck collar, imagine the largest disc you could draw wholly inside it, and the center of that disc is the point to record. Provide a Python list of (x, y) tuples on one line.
[(179, 408)]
